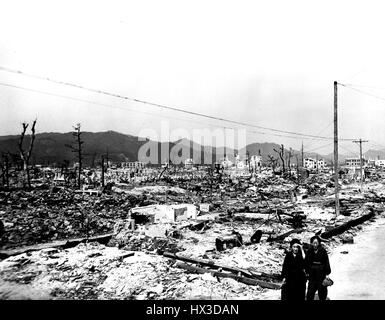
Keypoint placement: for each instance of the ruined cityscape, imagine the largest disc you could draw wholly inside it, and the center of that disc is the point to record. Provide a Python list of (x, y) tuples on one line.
[(191, 152), (91, 227)]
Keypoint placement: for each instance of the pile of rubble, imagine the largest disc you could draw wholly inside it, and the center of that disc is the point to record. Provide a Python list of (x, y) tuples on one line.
[(42, 216), (211, 237)]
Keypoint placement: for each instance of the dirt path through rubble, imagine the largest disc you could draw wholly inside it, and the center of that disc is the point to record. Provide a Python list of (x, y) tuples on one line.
[(358, 269)]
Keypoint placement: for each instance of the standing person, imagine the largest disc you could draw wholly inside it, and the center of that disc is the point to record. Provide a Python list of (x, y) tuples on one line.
[(317, 268), (293, 272)]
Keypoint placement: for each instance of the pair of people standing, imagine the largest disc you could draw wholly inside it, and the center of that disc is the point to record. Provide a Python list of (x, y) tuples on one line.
[(298, 268)]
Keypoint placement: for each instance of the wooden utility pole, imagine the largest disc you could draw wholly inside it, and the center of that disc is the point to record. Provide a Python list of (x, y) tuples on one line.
[(78, 150), (302, 155), (107, 159), (360, 142), (224, 144), (102, 171), (336, 151), (6, 171)]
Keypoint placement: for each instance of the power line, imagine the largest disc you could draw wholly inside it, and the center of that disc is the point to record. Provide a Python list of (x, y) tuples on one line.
[(350, 151), (310, 144), (144, 112), (292, 137), (320, 147), (363, 86), (378, 144), (156, 104), (362, 92), (360, 142), (103, 104)]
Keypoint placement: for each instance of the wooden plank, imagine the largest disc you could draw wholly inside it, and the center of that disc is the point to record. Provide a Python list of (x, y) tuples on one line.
[(249, 281), (56, 244), (352, 223), (208, 263), (14, 252), (284, 235)]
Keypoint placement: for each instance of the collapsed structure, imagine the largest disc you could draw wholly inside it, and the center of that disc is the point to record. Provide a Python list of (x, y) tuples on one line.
[(188, 235)]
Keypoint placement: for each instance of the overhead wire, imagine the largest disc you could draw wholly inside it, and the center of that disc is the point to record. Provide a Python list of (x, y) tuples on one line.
[(150, 113), (320, 147), (311, 144), (362, 92), (158, 105)]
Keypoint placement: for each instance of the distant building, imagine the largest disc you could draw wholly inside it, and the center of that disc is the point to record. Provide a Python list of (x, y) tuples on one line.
[(310, 163), (313, 164), (255, 162), (240, 164), (188, 163), (372, 163), (226, 163), (133, 165), (59, 179), (380, 163), (321, 164), (354, 162)]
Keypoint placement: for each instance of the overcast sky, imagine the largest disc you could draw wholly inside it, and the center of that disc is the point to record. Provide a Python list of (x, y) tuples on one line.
[(267, 63)]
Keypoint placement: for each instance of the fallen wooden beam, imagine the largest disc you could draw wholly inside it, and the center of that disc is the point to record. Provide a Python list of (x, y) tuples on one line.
[(249, 281), (284, 235), (208, 263), (14, 252), (101, 239), (352, 223), (56, 244)]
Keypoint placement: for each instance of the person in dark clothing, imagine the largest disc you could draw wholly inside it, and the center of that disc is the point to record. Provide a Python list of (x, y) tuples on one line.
[(293, 272), (317, 268)]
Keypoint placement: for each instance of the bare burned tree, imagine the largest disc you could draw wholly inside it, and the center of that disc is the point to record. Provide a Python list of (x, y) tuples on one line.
[(298, 175), (272, 161), (3, 175), (78, 150), (26, 155), (107, 159), (93, 160), (248, 160), (288, 160), (281, 154), (103, 170)]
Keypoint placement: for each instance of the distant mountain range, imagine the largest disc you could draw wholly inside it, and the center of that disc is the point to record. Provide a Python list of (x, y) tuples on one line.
[(51, 148)]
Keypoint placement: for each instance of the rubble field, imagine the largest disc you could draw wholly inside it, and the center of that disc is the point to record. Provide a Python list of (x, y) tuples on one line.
[(211, 238)]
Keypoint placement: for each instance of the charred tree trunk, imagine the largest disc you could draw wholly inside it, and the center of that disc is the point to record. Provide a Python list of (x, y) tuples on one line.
[(289, 156), (272, 162), (281, 154), (103, 171), (26, 155), (78, 150)]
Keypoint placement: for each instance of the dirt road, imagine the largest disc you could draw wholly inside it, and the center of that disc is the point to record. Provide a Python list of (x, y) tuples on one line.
[(358, 269)]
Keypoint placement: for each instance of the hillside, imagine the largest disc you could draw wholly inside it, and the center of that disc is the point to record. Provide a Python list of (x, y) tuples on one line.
[(51, 148)]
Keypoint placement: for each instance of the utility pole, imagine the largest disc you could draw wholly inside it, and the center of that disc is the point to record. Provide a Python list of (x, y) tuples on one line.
[(360, 142), (107, 159), (102, 171), (337, 204), (224, 145), (302, 155)]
